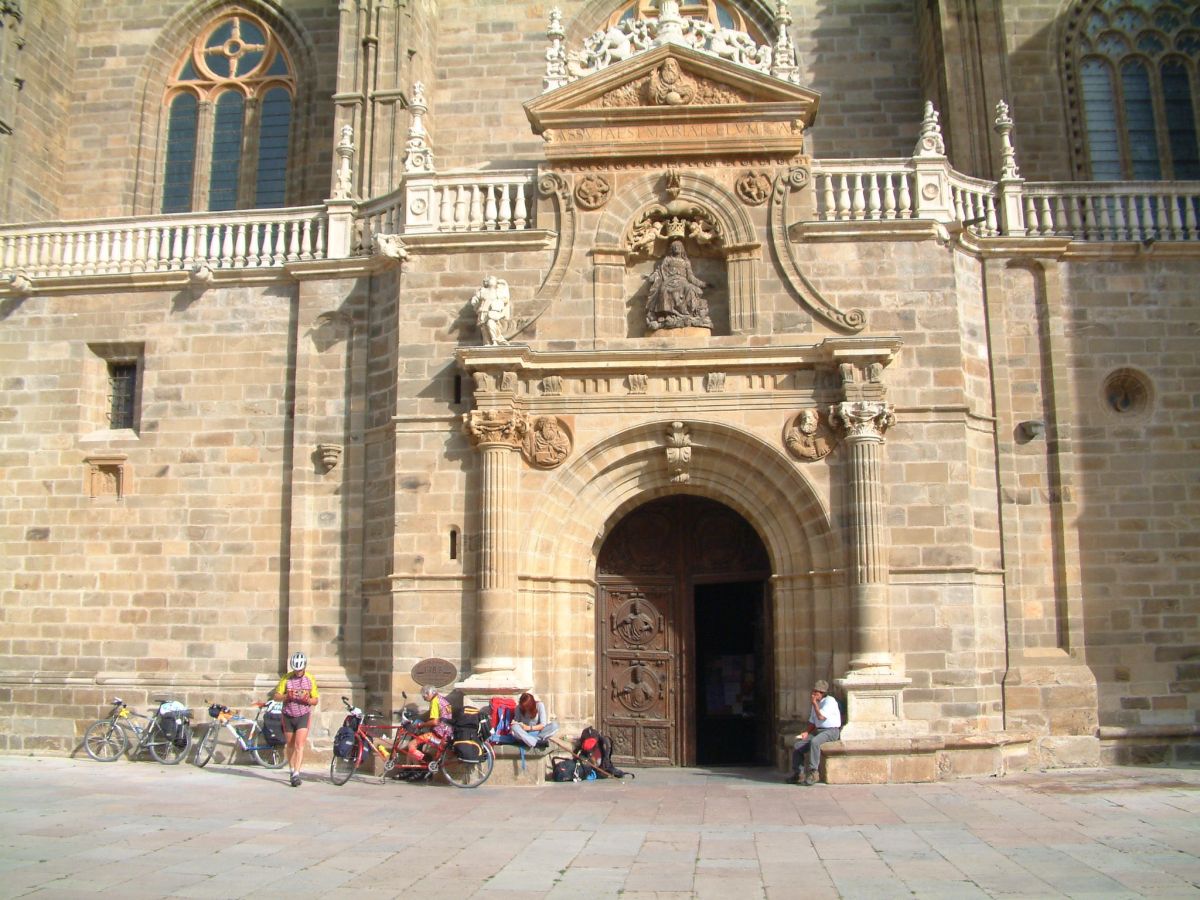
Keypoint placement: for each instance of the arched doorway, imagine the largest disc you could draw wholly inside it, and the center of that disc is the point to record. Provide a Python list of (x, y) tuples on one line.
[(683, 637)]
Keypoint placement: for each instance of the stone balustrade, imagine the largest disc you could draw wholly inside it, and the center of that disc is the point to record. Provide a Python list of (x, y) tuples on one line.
[(1158, 211), (488, 203), (229, 240)]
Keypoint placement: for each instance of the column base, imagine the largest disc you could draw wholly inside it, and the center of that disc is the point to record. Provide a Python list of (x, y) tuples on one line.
[(493, 682), (875, 707)]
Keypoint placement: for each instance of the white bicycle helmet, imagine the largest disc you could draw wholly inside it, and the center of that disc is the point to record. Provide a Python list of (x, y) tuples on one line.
[(298, 662)]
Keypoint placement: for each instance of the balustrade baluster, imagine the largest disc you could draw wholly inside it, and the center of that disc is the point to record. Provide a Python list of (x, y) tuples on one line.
[(1032, 219), (319, 245), (1176, 222), (93, 255), (489, 207), (293, 253), (522, 218), (306, 240), (843, 197), (139, 250), (446, 215), (254, 254), (505, 212), (874, 204), (152, 249), (70, 253), (54, 248), (461, 208), (239, 244), (889, 195), (993, 220), (37, 255), (858, 211), (226, 233), (1189, 217), (826, 193), (906, 206), (475, 213)]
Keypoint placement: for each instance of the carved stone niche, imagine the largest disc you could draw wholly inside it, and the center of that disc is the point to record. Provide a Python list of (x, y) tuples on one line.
[(107, 476)]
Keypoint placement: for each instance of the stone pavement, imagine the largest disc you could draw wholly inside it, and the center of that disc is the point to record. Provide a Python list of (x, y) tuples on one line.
[(70, 828)]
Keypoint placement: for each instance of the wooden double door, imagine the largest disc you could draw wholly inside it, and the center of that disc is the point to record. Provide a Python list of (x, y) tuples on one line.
[(683, 650)]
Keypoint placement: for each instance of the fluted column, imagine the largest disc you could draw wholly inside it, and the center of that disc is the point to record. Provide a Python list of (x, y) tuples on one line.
[(864, 424), (497, 435)]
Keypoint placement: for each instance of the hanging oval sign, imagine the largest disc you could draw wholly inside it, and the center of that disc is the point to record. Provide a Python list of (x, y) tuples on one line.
[(435, 672)]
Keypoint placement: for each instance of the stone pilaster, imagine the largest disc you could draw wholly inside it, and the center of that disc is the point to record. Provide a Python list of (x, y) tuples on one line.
[(497, 435), (873, 688)]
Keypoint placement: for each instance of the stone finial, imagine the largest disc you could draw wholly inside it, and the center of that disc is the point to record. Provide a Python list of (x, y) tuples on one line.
[(418, 155), (1008, 153), (930, 142), (345, 174), (783, 56), (556, 53)]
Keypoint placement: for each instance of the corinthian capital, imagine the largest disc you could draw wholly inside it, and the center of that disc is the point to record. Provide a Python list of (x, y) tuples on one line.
[(863, 420), (495, 426)]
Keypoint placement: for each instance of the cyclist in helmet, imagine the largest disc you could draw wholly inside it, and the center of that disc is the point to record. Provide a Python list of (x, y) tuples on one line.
[(298, 691)]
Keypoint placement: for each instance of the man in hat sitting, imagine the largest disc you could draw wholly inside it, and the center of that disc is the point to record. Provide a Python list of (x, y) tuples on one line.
[(824, 725)]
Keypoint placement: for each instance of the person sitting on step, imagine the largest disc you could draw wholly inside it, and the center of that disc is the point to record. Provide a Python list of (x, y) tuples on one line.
[(824, 725), (531, 726)]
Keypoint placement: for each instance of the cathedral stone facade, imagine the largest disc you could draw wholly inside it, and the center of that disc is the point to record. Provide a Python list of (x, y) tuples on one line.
[(660, 357)]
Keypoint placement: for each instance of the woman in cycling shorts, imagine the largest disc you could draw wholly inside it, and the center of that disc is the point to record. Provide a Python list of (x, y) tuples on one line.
[(298, 691)]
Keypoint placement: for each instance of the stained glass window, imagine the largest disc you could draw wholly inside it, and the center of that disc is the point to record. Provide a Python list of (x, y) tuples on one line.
[(235, 84)]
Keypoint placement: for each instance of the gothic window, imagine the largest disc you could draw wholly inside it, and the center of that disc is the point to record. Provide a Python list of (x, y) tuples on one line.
[(229, 116), (1132, 76), (717, 12)]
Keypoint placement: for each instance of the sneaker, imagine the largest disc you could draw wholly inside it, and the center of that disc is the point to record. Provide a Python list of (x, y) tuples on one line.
[(794, 778), (810, 778), (542, 745), (295, 779)]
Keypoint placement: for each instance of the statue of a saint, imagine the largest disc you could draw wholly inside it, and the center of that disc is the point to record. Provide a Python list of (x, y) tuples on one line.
[(674, 300), (492, 309)]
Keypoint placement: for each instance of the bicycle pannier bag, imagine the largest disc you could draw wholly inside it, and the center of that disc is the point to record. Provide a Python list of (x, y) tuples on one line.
[(466, 724), (343, 742), (272, 724), (467, 751)]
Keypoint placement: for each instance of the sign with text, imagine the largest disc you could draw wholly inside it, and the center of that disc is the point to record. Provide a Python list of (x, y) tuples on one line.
[(434, 671)]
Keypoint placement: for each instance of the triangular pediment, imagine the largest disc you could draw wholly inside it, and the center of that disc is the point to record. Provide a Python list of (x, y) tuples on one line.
[(673, 100)]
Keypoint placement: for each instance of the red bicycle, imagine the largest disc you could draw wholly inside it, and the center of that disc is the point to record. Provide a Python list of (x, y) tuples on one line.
[(415, 755)]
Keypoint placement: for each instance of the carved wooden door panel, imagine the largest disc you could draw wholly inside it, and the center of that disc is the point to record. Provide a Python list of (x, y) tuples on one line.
[(639, 670)]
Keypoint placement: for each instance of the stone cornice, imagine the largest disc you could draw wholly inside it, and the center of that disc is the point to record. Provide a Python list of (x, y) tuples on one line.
[(660, 359)]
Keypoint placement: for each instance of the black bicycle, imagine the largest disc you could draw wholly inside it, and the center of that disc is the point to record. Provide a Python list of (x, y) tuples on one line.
[(167, 733)]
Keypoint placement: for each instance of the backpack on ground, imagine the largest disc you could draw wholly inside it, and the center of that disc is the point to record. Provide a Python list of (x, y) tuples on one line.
[(500, 716), (343, 740), (569, 769)]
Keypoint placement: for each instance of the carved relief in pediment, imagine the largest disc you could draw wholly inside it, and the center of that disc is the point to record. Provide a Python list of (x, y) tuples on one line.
[(670, 85)]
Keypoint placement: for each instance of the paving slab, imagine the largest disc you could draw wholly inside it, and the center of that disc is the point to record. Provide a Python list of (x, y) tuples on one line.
[(74, 828)]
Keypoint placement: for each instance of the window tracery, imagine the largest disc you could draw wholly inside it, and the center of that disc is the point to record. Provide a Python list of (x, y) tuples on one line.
[(229, 113), (1132, 79)]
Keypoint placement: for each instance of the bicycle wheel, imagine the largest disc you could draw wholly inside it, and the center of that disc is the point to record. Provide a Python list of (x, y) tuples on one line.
[(207, 745), (105, 741), (341, 769), (468, 774), (168, 751), (270, 757)]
